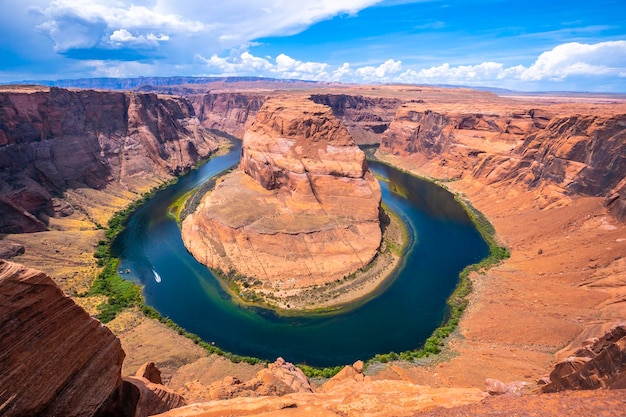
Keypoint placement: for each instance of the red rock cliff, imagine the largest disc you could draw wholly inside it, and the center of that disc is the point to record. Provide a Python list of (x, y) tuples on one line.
[(572, 154), (228, 112), (53, 139), (55, 359)]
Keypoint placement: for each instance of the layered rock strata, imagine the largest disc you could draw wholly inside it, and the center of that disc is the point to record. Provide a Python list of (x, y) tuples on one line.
[(55, 359), (566, 154), (55, 140), (228, 112), (599, 363), (366, 118), (302, 209)]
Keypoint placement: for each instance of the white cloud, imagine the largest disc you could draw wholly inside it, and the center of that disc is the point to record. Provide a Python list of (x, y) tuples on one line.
[(382, 73), (556, 65), (122, 37), (578, 59), (245, 64), (209, 27), (118, 70)]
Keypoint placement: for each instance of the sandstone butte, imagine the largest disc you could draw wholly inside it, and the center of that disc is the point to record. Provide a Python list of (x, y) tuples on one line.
[(547, 171), (301, 210)]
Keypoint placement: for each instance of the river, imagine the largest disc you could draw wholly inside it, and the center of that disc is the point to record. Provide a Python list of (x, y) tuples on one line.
[(443, 242)]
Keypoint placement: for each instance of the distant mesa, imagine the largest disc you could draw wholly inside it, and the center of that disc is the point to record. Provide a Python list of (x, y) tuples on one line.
[(302, 209)]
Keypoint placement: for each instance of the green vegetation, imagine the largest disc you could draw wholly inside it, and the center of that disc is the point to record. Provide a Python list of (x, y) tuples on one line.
[(312, 372), (121, 294), (174, 211)]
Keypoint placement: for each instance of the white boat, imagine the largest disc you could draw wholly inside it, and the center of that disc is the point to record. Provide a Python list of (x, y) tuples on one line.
[(157, 277)]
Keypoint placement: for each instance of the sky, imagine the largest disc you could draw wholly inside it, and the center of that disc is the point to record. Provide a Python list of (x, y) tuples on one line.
[(526, 45)]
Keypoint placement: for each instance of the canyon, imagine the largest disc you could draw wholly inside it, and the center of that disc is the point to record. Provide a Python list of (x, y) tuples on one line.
[(546, 171)]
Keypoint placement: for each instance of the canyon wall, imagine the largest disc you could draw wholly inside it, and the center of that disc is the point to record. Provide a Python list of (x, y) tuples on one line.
[(228, 112), (566, 154), (52, 140), (366, 118), (301, 210)]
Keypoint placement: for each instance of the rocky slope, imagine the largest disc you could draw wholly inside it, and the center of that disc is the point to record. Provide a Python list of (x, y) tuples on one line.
[(56, 360), (301, 210), (349, 394), (55, 140)]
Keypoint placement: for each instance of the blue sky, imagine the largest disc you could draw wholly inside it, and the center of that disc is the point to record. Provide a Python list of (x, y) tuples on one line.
[(525, 45)]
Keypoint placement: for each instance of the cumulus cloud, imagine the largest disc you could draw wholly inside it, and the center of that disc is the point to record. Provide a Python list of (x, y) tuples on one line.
[(122, 37), (210, 26), (557, 65), (73, 24), (383, 73), (578, 59)]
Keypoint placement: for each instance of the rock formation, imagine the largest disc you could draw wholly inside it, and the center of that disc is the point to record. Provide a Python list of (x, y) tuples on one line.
[(600, 363), (301, 210), (228, 112), (55, 359), (366, 118), (58, 361), (348, 394), (52, 140), (570, 154), (277, 379)]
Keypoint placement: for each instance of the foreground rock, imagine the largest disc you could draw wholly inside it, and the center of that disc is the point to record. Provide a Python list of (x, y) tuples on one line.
[(277, 379), (55, 359), (348, 394), (301, 210), (600, 363), (58, 361)]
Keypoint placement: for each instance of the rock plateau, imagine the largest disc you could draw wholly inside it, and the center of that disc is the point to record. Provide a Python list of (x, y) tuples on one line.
[(302, 209)]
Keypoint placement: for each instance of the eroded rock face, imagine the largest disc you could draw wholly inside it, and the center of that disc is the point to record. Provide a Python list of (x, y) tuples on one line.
[(55, 359), (301, 210), (54, 140), (229, 112), (572, 154), (600, 363), (366, 118)]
